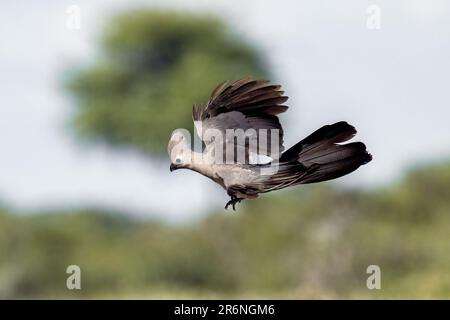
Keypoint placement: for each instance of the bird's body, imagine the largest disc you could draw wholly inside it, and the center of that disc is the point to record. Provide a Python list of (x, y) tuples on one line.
[(223, 174), (239, 127)]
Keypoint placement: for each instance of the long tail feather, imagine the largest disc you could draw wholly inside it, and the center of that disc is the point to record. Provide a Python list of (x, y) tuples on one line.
[(320, 157)]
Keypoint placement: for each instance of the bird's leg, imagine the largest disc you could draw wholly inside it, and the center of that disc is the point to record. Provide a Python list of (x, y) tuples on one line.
[(230, 202), (233, 202)]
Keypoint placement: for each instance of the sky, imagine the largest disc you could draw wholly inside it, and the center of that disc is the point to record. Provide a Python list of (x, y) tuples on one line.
[(390, 82)]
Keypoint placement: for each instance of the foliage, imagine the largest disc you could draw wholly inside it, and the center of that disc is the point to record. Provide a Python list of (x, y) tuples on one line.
[(308, 243), (152, 67)]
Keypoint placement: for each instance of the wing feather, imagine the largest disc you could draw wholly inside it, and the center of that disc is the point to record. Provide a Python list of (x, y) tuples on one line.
[(244, 104)]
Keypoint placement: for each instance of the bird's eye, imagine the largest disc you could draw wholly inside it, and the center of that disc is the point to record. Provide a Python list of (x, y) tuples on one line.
[(177, 160)]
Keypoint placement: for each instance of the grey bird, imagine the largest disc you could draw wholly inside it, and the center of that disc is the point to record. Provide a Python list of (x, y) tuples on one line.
[(253, 105)]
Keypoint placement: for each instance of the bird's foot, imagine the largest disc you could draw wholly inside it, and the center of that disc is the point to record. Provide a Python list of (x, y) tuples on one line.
[(233, 202)]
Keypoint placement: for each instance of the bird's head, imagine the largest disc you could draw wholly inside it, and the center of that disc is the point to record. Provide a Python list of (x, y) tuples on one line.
[(179, 151)]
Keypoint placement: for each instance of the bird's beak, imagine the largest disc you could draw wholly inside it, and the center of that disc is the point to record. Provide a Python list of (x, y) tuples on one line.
[(173, 167)]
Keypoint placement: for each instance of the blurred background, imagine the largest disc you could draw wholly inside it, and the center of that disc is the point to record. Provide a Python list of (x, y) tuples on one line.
[(91, 91)]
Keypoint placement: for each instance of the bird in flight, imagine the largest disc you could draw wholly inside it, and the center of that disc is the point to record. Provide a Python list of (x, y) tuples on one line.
[(242, 144)]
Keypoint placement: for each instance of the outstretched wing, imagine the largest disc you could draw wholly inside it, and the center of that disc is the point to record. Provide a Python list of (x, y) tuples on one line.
[(247, 104)]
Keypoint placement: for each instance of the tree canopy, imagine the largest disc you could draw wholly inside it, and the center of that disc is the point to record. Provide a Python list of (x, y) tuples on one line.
[(313, 242), (151, 68)]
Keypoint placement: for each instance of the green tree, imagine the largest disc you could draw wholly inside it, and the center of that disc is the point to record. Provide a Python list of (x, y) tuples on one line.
[(152, 67), (314, 242)]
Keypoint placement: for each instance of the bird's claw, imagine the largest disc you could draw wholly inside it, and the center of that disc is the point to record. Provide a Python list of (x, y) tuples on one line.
[(233, 202)]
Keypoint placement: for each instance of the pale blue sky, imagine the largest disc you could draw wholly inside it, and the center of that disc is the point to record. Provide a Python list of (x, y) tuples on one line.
[(391, 83)]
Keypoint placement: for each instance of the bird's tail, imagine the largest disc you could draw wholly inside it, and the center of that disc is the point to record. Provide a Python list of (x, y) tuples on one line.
[(320, 157)]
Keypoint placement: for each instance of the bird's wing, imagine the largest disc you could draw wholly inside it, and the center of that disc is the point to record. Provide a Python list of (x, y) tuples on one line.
[(244, 104)]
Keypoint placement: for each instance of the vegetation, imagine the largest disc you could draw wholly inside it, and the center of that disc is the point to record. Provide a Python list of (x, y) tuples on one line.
[(152, 67), (314, 242)]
